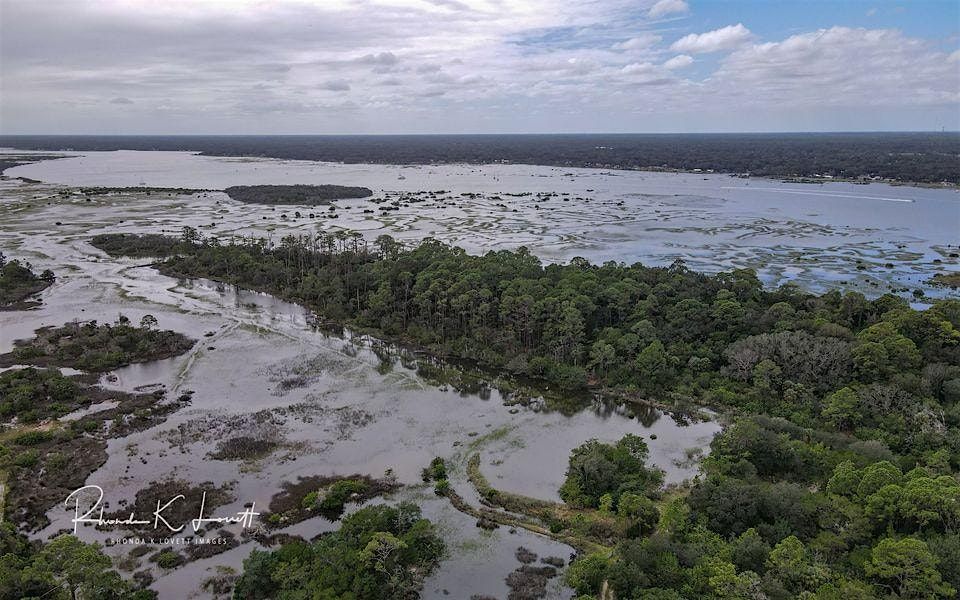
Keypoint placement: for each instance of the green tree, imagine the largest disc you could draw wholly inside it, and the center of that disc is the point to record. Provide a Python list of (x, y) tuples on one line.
[(845, 479), (907, 569), (842, 409), (877, 475)]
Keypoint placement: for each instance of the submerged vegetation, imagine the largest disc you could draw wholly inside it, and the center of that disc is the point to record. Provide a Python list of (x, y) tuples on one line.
[(97, 347), (323, 495), (18, 282), (42, 458), (312, 195)]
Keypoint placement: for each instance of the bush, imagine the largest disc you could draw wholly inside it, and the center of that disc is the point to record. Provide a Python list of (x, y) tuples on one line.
[(596, 469), (436, 471), (27, 458), (309, 501), (33, 438), (168, 559), (338, 495)]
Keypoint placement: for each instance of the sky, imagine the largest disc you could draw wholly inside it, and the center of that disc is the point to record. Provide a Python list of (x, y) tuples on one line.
[(477, 66)]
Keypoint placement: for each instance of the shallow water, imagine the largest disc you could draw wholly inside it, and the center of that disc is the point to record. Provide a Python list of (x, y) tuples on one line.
[(260, 369), (264, 372), (819, 235)]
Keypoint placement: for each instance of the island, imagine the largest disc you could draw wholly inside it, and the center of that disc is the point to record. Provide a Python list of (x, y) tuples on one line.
[(311, 195)]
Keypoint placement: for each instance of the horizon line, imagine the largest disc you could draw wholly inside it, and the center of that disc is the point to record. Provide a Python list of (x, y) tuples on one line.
[(514, 133)]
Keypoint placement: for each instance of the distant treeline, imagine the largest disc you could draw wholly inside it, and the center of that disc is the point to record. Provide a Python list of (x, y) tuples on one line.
[(295, 194), (909, 157)]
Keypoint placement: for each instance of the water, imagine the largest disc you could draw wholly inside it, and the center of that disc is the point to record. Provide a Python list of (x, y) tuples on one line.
[(343, 413), (820, 236), (259, 369)]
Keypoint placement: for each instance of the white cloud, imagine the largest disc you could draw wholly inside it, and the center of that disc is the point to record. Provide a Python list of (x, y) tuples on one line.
[(725, 38), (843, 66), (635, 68), (668, 7), (639, 42), (678, 62)]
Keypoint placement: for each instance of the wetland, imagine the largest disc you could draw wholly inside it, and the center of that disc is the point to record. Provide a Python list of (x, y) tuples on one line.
[(340, 357)]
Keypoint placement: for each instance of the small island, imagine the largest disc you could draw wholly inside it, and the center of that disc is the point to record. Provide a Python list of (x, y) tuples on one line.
[(311, 195), (97, 347), (18, 282)]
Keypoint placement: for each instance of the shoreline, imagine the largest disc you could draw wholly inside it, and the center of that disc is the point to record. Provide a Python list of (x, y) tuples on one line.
[(794, 178)]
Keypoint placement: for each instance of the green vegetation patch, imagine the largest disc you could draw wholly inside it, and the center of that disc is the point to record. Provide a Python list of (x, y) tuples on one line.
[(32, 395), (18, 282), (323, 495), (379, 552), (951, 280), (62, 569), (95, 347)]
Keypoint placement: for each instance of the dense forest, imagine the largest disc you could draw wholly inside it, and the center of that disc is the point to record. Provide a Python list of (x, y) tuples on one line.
[(783, 512), (379, 552), (837, 474), (913, 157), (312, 195)]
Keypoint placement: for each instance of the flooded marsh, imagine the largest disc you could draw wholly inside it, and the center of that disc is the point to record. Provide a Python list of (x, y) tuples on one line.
[(275, 400)]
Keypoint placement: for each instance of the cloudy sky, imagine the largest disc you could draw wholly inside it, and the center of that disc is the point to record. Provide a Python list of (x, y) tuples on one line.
[(452, 66)]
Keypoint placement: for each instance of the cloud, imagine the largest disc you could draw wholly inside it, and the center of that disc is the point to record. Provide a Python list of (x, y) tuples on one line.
[(375, 66), (121, 100), (635, 68), (845, 66), (678, 62), (335, 85), (639, 42), (380, 59), (725, 38), (668, 7)]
